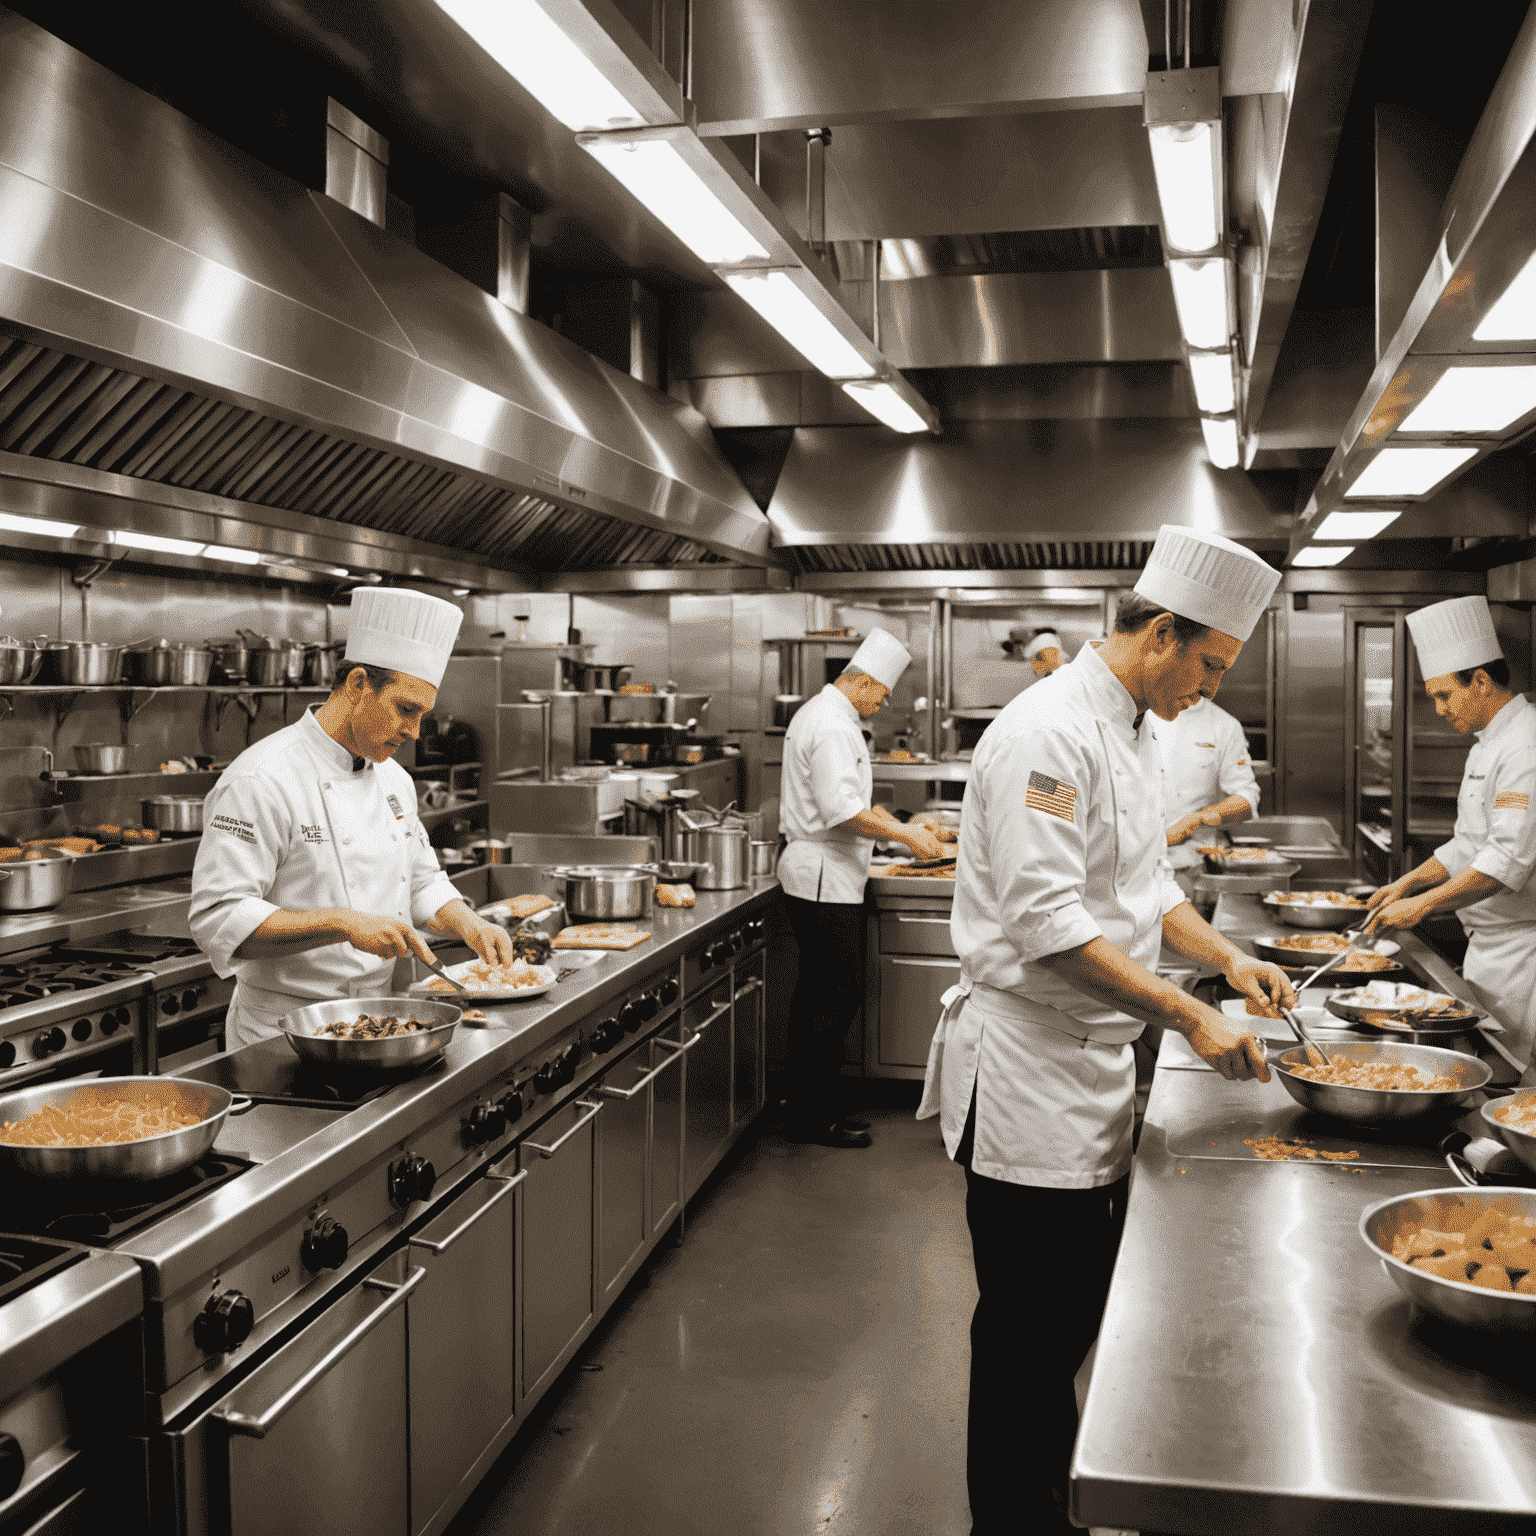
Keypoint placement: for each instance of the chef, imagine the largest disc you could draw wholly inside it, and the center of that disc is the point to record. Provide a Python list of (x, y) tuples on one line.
[(1207, 777), (1044, 653), (1062, 897), (314, 870), (1484, 871), (830, 826)]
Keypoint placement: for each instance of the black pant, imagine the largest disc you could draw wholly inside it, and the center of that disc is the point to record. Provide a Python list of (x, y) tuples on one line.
[(826, 997), (1043, 1259)]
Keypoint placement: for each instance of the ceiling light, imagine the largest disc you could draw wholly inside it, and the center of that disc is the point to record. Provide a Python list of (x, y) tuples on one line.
[(884, 403), (1186, 159), (39, 525), (1409, 471), (1315, 555), (1200, 294), (1212, 374), (1220, 440), (521, 38), (1513, 316), (1355, 525), (777, 298), (656, 175), (461, 591), (1474, 400), (154, 542), (234, 556)]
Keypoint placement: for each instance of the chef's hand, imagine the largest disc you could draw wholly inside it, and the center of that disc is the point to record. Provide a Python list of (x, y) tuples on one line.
[(492, 944), (1182, 830), (386, 937), (1387, 895), (1400, 913), (923, 843), (1232, 1048), (1266, 984)]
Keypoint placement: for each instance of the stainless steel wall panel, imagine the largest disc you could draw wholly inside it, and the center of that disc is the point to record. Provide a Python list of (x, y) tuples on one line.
[(699, 651), (1060, 391), (746, 670), (1310, 764)]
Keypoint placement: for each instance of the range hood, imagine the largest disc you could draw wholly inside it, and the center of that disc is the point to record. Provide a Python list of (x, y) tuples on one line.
[(174, 313)]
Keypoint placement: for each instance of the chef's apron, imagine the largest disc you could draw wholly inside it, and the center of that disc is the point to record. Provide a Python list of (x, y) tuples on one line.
[(1500, 967)]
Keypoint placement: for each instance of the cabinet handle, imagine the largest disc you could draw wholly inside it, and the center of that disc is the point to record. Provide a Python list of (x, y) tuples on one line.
[(650, 1077), (749, 988), (443, 1244), (698, 1029), (585, 1120), (258, 1425)]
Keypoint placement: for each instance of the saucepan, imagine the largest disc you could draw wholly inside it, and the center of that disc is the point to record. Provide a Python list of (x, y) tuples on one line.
[(160, 664), (173, 813), (605, 892), (37, 882), (19, 662), (83, 662), (151, 1157), (390, 1054)]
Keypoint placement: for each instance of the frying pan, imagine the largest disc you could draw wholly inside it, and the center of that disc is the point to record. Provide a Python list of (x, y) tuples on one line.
[(1379, 1106), (1382, 1016), (391, 1054), (1269, 946)]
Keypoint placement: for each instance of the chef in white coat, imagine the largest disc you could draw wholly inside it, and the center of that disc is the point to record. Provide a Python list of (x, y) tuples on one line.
[(1484, 871), (1062, 898), (1208, 779), (314, 870), (826, 815)]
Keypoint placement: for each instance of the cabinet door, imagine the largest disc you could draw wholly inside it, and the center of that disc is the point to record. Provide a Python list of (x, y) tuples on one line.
[(747, 1025), (910, 989), (557, 1216), (706, 1083), (666, 1149), (621, 1172)]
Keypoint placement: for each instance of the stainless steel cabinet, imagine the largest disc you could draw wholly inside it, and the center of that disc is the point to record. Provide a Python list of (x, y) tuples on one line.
[(666, 1146), (462, 1333), (622, 1132), (556, 1244), (747, 1027), (910, 989), (706, 1082)]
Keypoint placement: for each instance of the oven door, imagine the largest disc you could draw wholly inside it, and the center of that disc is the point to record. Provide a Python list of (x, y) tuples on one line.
[(315, 1440)]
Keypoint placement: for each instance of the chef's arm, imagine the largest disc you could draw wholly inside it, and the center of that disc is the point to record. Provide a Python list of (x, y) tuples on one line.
[(491, 943), (1462, 890), (1223, 813), (878, 822), (1427, 875), (291, 933)]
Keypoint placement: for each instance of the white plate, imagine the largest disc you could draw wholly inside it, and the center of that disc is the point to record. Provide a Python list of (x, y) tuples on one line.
[(476, 995)]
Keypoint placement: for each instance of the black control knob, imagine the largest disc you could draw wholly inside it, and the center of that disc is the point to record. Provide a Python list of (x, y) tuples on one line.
[(189, 999), (7, 1054), (629, 1017), (485, 1123), (605, 1036), (650, 1006), (738, 942), (707, 959), (669, 991), (511, 1105), (81, 1029), (170, 1003), (547, 1078), (49, 1041), (111, 1023), (12, 1465), (224, 1324), (411, 1177), (565, 1064), (324, 1245)]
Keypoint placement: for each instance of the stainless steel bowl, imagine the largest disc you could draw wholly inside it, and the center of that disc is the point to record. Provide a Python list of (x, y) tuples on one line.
[(1456, 1303), (173, 813), (83, 662), (20, 663), (393, 1054), (101, 757), (1370, 1106), (1521, 1143), (37, 882), (606, 892), (154, 1157), (1342, 1005), (1334, 919), (1271, 946)]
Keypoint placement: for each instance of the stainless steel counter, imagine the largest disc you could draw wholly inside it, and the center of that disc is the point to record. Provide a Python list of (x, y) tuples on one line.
[(90, 914), (1257, 1371), (931, 773)]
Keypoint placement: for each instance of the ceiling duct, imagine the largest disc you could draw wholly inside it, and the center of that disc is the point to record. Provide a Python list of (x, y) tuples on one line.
[(197, 318), (1128, 555)]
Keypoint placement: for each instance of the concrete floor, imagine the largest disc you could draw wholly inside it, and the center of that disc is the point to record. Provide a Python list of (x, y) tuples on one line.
[(796, 1368)]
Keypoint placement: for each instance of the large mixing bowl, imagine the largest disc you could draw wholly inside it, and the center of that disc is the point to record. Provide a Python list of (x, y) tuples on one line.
[(393, 1054), (1272, 946), (154, 1157), (1370, 1106), (1329, 917), (37, 882), (1521, 1143), (1494, 1310), (19, 662)]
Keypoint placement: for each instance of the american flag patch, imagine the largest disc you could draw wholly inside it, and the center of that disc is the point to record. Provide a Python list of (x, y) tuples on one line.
[(1512, 800), (1051, 796)]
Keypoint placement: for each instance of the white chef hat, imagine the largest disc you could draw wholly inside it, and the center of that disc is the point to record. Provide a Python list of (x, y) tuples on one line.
[(405, 631), (883, 656), (1044, 641), (1209, 579), (1454, 636)]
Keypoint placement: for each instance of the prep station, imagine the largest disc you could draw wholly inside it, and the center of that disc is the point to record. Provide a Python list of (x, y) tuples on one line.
[(678, 345)]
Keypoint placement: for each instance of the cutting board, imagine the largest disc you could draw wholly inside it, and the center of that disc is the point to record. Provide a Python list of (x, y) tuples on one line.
[(600, 936)]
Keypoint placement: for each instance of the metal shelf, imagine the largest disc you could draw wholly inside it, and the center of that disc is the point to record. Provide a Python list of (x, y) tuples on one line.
[(66, 695)]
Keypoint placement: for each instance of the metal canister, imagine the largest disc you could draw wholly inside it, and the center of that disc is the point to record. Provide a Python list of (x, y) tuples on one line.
[(726, 849), (765, 858)]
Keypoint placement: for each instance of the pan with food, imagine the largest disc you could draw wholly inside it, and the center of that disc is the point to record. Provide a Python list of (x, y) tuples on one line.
[(1315, 909), (1403, 1006), (371, 1034), (1379, 1082), (1513, 1121), (1301, 953)]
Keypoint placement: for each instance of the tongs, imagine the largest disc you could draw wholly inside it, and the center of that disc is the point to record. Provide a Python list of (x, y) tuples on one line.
[(1310, 1048), (1354, 938)]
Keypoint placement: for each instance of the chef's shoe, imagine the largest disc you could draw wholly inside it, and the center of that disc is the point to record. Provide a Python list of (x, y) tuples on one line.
[(853, 1123)]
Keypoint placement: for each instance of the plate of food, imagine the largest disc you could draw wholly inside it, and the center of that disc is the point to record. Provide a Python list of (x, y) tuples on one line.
[(1242, 861), (490, 983), (1316, 909), (1303, 952), (901, 755), (1402, 1005)]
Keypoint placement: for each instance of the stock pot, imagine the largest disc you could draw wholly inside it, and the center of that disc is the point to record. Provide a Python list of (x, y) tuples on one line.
[(173, 813), (599, 892), (723, 854), (162, 664), (84, 662), (37, 882)]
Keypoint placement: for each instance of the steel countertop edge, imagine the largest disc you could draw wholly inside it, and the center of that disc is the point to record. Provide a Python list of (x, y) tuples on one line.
[(54, 1321), (1256, 1369), (269, 1193)]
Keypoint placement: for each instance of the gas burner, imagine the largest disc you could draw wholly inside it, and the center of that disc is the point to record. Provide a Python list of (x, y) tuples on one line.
[(24, 1261), (134, 949), (270, 1073), (24, 981)]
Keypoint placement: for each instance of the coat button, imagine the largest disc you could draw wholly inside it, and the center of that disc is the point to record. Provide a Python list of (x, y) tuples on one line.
[(346, 839), (326, 785)]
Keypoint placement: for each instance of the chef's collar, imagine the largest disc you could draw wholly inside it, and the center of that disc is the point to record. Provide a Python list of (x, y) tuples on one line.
[(1104, 688), (335, 755), (1505, 718), (845, 703)]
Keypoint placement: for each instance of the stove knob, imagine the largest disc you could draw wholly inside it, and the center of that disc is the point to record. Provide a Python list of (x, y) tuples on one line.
[(485, 1123), (49, 1040), (189, 999), (650, 1005), (170, 1004), (411, 1177), (707, 959), (324, 1245), (566, 1064), (12, 1465), (669, 991), (738, 941), (224, 1324), (7, 1054), (81, 1029), (511, 1105), (629, 1017), (547, 1078), (605, 1036), (110, 1022)]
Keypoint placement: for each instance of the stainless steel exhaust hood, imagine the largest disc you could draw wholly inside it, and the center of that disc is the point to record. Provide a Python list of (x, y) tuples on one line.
[(186, 316)]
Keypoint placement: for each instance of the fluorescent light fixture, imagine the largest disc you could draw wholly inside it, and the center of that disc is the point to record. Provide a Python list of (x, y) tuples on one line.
[(1200, 294), (234, 556), (1474, 400), (1220, 440), (335, 570), (11, 523), (521, 38), (884, 403), (461, 591), (1355, 525), (779, 300), (1212, 373), (1409, 471), (1513, 316), (653, 172), (1316, 555), (154, 542), (1186, 159)]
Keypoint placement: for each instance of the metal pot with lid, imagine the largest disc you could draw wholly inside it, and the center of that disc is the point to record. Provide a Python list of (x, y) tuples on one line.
[(605, 892), (158, 664)]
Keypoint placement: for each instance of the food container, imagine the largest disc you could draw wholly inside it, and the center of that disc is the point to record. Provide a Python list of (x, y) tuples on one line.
[(101, 757), (38, 882), (490, 850), (632, 752), (600, 892), (83, 663), (726, 849), (1521, 1143), (1371, 1106), (181, 814), (764, 858), (20, 663), (692, 754), (164, 664), (154, 1157), (394, 1053)]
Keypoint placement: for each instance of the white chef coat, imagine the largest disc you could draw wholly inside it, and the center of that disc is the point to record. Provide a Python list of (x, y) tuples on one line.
[(1065, 841), (1205, 759), (290, 826), (1495, 833), (826, 780)]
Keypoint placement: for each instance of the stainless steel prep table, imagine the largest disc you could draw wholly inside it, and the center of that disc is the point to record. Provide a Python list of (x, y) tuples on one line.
[(1257, 1371)]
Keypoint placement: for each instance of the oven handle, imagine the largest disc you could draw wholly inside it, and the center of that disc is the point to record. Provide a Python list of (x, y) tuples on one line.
[(749, 988), (719, 1013), (655, 1072), (585, 1120), (259, 1425), (508, 1183)]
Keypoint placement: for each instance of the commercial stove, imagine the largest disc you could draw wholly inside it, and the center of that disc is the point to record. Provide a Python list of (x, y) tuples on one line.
[(67, 1010)]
